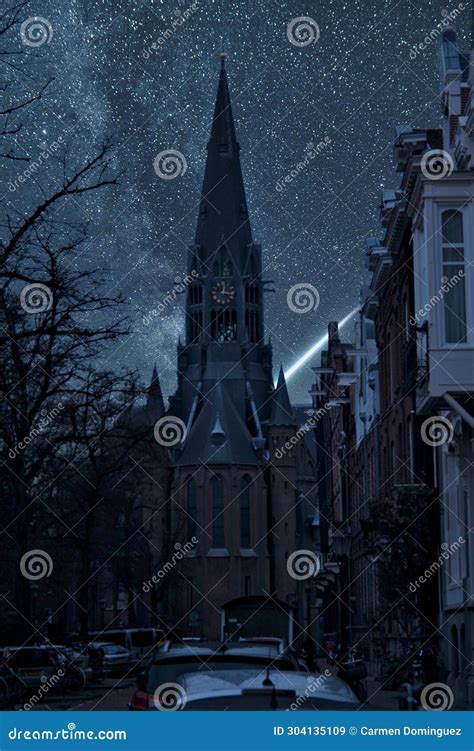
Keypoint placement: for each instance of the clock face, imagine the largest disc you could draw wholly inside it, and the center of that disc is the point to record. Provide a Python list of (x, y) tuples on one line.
[(223, 292)]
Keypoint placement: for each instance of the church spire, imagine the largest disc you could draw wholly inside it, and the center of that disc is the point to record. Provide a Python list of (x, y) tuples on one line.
[(281, 412), (223, 213), (155, 403)]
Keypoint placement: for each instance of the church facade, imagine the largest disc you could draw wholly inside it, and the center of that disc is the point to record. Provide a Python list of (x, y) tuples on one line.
[(248, 504)]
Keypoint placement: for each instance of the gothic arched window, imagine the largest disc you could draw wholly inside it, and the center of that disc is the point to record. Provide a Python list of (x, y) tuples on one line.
[(245, 512), (217, 496)]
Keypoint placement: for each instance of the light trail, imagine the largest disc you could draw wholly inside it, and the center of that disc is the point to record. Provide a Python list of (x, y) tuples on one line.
[(316, 347)]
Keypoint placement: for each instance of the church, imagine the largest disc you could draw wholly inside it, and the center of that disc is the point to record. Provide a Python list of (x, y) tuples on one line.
[(248, 504)]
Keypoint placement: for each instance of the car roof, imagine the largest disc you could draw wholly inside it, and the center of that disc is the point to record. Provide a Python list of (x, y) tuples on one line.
[(106, 644), (233, 682), (240, 648)]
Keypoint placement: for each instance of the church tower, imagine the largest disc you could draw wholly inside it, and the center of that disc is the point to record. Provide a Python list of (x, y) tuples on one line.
[(223, 473)]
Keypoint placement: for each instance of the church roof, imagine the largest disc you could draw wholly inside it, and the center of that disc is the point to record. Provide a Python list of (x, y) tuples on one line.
[(219, 434), (223, 216), (281, 412)]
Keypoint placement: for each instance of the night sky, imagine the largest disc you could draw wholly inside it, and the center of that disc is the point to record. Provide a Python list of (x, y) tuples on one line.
[(352, 87)]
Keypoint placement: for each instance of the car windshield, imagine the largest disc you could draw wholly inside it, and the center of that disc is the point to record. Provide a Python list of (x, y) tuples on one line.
[(30, 658), (169, 672), (113, 649), (118, 637), (143, 638)]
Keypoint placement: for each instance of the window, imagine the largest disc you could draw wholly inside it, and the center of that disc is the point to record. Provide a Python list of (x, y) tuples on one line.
[(245, 512), (191, 508), (217, 494), (195, 326), (195, 294), (453, 270), (224, 325)]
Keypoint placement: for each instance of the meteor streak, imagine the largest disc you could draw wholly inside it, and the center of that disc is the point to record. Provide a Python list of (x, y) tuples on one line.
[(319, 344)]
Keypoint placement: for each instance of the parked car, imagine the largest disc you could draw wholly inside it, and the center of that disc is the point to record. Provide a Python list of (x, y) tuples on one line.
[(11, 686), (173, 661), (116, 660), (48, 666), (264, 690), (34, 665), (139, 641)]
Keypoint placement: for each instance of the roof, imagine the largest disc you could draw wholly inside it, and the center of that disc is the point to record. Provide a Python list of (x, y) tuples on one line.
[(219, 434), (281, 412), (223, 216)]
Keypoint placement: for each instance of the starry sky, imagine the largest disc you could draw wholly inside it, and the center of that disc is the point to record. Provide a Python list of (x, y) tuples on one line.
[(351, 86)]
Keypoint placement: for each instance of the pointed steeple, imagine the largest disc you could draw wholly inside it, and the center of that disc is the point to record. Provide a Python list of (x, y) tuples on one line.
[(154, 403), (223, 216), (217, 433), (281, 412)]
